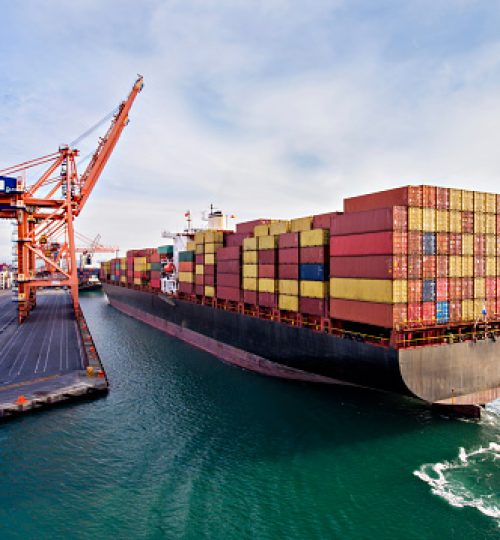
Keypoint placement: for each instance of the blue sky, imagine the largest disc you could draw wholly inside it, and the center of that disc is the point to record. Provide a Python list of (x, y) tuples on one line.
[(265, 108)]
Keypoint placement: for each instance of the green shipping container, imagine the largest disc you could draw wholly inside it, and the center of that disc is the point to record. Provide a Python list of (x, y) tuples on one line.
[(166, 250), (186, 256)]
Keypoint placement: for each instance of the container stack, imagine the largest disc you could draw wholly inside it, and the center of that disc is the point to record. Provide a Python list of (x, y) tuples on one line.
[(288, 271), (199, 278), (213, 240), (155, 262), (267, 259), (229, 273), (250, 269), (123, 270), (187, 271)]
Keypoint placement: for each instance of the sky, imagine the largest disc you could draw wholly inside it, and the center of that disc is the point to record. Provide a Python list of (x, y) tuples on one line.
[(269, 108)]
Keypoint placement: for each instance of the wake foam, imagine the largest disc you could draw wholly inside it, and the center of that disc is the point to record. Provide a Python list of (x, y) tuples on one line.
[(471, 480)]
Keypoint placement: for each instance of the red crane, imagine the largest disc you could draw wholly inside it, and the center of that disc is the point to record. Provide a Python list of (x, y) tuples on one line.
[(47, 209)]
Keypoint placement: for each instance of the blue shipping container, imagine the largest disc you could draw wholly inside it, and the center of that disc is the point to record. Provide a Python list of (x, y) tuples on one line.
[(7, 184), (313, 272), (442, 312), (429, 243), (429, 290)]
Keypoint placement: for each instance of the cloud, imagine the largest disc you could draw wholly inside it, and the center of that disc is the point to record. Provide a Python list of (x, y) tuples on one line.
[(264, 108)]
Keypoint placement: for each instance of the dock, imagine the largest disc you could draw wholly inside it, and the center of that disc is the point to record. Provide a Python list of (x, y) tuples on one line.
[(49, 359)]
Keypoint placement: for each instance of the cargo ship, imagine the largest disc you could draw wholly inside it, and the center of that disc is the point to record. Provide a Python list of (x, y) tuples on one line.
[(398, 292)]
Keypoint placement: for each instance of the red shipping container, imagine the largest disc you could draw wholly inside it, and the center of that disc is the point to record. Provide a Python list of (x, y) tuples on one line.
[(442, 266), (250, 297), (467, 222), (155, 275), (289, 240), (491, 287), (455, 288), (322, 221), (380, 219), (228, 280), (385, 315), (235, 240), (498, 287), (415, 314), (442, 243), (442, 198), (372, 267), (267, 256), (229, 267), (288, 271), (428, 266), (498, 219), (228, 254), (380, 243), (428, 196), (403, 196), (209, 280), (414, 266), (288, 256), (248, 226), (268, 271), (155, 283), (442, 290), (186, 266), (429, 313), (480, 244), (155, 258), (199, 280), (229, 293), (455, 310), (414, 290), (491, 308), (209, 270), (199, 290), (314, 255), (414, 243), (467, 288), (313, 306), (199, 259), (479, 266), (455, 244), (268, 299), (186, 288)]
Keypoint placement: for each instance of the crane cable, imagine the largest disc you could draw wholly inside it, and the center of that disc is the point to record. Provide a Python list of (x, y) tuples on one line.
[(94, 127)]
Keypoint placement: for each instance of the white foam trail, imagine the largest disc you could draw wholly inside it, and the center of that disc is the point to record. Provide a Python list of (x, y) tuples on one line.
[(447, 480)]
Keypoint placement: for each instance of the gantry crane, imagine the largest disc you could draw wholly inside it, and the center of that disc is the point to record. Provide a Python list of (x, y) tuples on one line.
[(48, 208), (91, 247)]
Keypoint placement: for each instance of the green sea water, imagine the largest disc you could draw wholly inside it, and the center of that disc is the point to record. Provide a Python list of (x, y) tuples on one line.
[(186, 447)]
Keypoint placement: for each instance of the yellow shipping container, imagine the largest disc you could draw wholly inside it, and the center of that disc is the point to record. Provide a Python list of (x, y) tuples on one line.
[(288, 303), (186, 277), (384, 291), (301, 224), (140, 261), (212, 248), (267, 285), (455, 221), (199, 270), (490, 225), (199, 249), (209, 290), (314, 237), (467, 244), (491, 245), (429, 219), (199, 237), (442, 221), (290, 287), (479, 305), (455, 199), (415, 219), (250, 270), (210, 258), (268, 242), (455, 267), (137, 281), (479, 223), (467, 266), (191, 246), (249, 284), (250, 244), (214, 237), (261, 230), (467, 200), (479, 287), (279, 227), (467, 310), (479, 201), (491, 203), (123, 279), (148, 266), (314, 289), (491, 266), (250, 257)]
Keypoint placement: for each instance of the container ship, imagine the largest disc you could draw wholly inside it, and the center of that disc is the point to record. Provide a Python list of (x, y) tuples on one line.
[(398, 292)]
